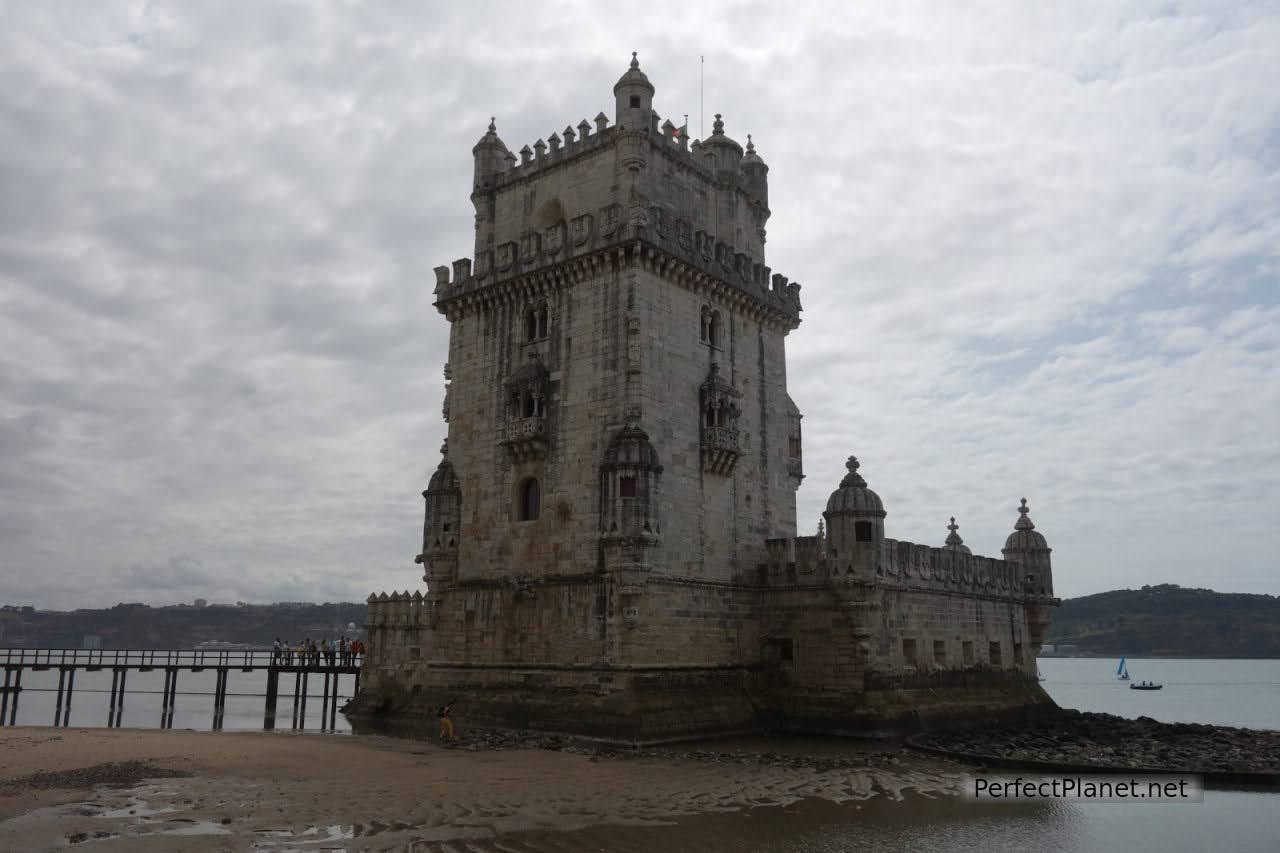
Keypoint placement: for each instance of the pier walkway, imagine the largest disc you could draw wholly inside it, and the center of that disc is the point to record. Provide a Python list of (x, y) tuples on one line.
[(174, 661)]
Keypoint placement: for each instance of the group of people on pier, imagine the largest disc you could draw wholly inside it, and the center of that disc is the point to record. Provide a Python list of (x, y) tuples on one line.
[(309, 652)]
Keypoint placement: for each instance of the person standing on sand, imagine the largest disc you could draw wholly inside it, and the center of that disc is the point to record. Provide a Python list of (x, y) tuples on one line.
[(446, 724)]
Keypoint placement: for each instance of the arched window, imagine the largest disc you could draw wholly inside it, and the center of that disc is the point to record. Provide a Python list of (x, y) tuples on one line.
[(530, 499)]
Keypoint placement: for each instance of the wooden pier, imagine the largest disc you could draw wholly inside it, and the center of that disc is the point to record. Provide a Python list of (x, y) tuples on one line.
[(330, 665)]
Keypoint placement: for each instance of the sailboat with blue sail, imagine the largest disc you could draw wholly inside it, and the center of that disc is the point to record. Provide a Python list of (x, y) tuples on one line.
[(1122, 671)]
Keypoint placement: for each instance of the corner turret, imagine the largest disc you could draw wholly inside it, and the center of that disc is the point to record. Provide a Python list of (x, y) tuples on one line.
[(633, 94), (443, 516), (725, 151), (491, 159), (855, 525), (756, 172), (1027, 547)]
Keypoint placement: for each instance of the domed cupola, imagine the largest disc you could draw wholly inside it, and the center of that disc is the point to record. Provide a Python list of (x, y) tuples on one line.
[(954, 542), (855, 525), (853, 497), (491, 158), (757, 174), (726, 152), (442, 519), (1028, 548), (443, 480), (1025, 537), (633, 97)]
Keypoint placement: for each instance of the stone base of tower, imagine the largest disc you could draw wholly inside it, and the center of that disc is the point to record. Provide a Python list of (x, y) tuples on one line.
[(652, 705), (892, 710), (633, 706)]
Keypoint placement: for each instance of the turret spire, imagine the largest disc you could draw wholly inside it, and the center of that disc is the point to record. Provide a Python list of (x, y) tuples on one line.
[(1024, 520)]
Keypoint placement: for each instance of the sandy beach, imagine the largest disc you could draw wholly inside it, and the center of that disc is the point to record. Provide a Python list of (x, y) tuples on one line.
[(248, 791)]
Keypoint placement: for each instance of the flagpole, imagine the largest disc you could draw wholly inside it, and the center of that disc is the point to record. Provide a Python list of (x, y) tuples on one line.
[(702, 85)]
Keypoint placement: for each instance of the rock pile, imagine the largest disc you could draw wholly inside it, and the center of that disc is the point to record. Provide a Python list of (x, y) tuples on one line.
[(1106, 741), (119, 774)]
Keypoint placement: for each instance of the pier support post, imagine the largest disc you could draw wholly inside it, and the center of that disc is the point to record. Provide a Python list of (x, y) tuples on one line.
[(273, 690), (302, 710), (4, 704), (333, 705), (62, 679), (111, 707), (17, 691), (297, 688), (324, 703), (71, 683), (120, 697), (171, 697)]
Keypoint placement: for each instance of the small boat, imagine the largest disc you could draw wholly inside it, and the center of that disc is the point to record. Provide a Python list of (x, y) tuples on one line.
[(1146, 685), (1122, 671)]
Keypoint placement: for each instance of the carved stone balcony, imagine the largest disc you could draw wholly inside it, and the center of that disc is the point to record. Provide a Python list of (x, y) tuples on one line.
[(525, 438), (720, 449), (795, 468)]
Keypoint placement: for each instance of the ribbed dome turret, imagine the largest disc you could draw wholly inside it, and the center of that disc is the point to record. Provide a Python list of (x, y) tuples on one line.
[(853, 496), (751, 157), (719, 139), (444, 479), (633, 77), (490, 138), (1025, 537), (954, 542), (491, 158)]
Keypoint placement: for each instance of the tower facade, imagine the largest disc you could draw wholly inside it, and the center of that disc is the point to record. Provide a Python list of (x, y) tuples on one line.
[(618, 485)]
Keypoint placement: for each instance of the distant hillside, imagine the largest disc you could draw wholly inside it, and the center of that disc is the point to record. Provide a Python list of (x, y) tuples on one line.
[(1170, 621), (137, 626)]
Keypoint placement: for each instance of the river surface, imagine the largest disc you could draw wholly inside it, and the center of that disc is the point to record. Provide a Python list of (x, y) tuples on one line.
[(1224, 692)]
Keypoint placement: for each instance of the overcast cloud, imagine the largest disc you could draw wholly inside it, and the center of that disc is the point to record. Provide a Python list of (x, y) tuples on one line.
[(1038, 245)]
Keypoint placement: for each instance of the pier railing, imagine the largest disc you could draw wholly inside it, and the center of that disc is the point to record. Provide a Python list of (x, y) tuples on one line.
[(180, 658)]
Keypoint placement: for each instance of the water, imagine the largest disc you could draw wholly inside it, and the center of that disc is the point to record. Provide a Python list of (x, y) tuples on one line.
[(1223, 692), (246, 700)]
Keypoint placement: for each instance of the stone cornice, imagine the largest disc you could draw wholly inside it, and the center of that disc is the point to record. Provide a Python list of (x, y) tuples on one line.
[(710, 269)]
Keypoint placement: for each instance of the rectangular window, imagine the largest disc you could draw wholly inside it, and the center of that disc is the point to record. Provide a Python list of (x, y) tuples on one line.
[(940, 652), (993, 653), (862, 531), (909, 652), (966, 648), (1017, 653), (627, 487)]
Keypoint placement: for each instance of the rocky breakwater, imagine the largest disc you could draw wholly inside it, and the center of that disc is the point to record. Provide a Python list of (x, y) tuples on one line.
[(1073, 741)]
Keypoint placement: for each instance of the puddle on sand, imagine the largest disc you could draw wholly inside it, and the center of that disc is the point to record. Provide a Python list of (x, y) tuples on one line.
[(313, 837)]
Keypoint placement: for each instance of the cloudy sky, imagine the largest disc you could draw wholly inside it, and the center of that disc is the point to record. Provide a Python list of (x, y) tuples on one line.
[(1038, 245)]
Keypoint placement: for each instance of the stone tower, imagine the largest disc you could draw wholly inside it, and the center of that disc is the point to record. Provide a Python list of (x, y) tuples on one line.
[(610, 537)]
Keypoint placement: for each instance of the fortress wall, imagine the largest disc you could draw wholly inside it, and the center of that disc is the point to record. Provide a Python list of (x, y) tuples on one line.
[(490, 624), (690, 624)]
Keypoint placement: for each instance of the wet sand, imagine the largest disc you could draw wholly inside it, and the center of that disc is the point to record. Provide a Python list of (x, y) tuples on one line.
[(251, 791)]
